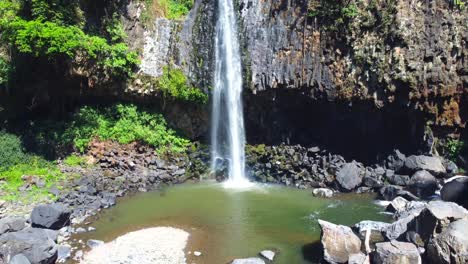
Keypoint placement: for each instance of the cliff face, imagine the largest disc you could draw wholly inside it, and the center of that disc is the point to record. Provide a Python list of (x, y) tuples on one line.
[(332, 73)]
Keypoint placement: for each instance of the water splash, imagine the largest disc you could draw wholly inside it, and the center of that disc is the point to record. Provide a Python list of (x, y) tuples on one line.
[(228, 135)]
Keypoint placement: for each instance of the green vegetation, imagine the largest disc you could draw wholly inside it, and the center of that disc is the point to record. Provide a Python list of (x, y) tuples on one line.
[(5, 69), (53, 31), (124, 124), (74, 160), (171, 9), (332, 14), (18, 168), (173, 85), (453, 148)]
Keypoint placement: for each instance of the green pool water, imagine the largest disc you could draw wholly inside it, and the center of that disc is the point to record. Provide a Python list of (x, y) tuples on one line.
[(225, 224)]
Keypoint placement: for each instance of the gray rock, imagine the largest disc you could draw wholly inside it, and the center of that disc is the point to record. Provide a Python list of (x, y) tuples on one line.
[(396, 252), (397, 205), (268, 254), (63, 253), (358, 259), (377, 230), (248, 261), (372, 182), (34, 243), (390, 192), (450, 246), (456, 191), (323, 192), (51, 216), (19, 259), (431, 164), (339, 242), (92, 243), (397, 179), (396, 161), (349, 176), (423, 184), (12, 224)]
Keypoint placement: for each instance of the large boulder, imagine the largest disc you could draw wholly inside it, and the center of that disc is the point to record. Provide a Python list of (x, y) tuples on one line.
[(433, 165), (397, 205), (450, 246), (376, 229), (50, 216), (422, 184), (349, 176), (34, 243), (436, 216), (390, 192), (396, 161), (398, 229), (456, 190), (20, 259), (12, 224), (396, 252), (339, 242)]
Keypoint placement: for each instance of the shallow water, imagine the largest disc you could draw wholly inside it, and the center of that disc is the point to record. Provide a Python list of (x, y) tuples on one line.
[(226, 223)]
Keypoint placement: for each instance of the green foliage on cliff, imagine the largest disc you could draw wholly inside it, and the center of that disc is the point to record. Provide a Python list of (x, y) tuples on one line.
[(5, 69), (453, 148), (171, 9), (124, 124), (52, 30), (332, 14), (173, 85)]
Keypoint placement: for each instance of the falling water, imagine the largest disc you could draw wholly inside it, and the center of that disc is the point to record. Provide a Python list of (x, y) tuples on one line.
[(228, 136)]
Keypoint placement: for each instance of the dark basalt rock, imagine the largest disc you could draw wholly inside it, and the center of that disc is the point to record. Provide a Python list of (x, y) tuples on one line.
[(51, 216), (349, 176), (423, 184), (34, 243), (456, 191), (433, 165)]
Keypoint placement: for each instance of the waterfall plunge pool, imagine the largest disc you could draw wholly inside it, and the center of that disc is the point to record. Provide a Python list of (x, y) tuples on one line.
[(225, 224)]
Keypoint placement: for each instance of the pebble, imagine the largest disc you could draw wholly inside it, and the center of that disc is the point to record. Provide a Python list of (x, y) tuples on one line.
[(197, 253), (268, 254)]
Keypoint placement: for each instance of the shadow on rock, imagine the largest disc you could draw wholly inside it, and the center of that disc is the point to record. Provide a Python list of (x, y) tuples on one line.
[(313, 252)]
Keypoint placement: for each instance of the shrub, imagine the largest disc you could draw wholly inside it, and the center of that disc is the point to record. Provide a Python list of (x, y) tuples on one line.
[(74, 160), (5, 69), (453, 148), (173, 85), (124, 124), (11, 150)]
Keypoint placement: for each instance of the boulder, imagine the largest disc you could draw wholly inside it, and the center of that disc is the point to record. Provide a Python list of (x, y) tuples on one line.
[(397, 205), (323, 192), (248, 261), (397, 179), (431, 164), (377, 230), (396, 252), (390, 192), (63, 253), (396, 161), (339, 242), (456, 191), (34, 243), (450, 246), (349, 176), (20, 259), (423, 184), (399, 228), (436, 216), (50, 216), (358, 259), (12, 224)]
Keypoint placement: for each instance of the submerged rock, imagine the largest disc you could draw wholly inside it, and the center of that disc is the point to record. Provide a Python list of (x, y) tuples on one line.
[(268, 254), (323, 192), (450, 246), (339, 242), (51, 216), (396, 252), (248, 261)]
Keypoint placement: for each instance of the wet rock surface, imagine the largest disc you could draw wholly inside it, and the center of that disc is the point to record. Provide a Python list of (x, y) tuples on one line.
[(338, 250)]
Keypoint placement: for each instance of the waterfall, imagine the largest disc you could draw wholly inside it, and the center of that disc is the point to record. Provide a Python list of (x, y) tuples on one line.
[(228, 135)]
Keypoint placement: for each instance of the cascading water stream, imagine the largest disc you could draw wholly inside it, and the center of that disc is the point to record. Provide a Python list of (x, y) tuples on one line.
[(228, 135)]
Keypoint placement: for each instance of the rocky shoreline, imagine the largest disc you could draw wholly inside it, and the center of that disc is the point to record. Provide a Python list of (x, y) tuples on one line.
[(408, 183)]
